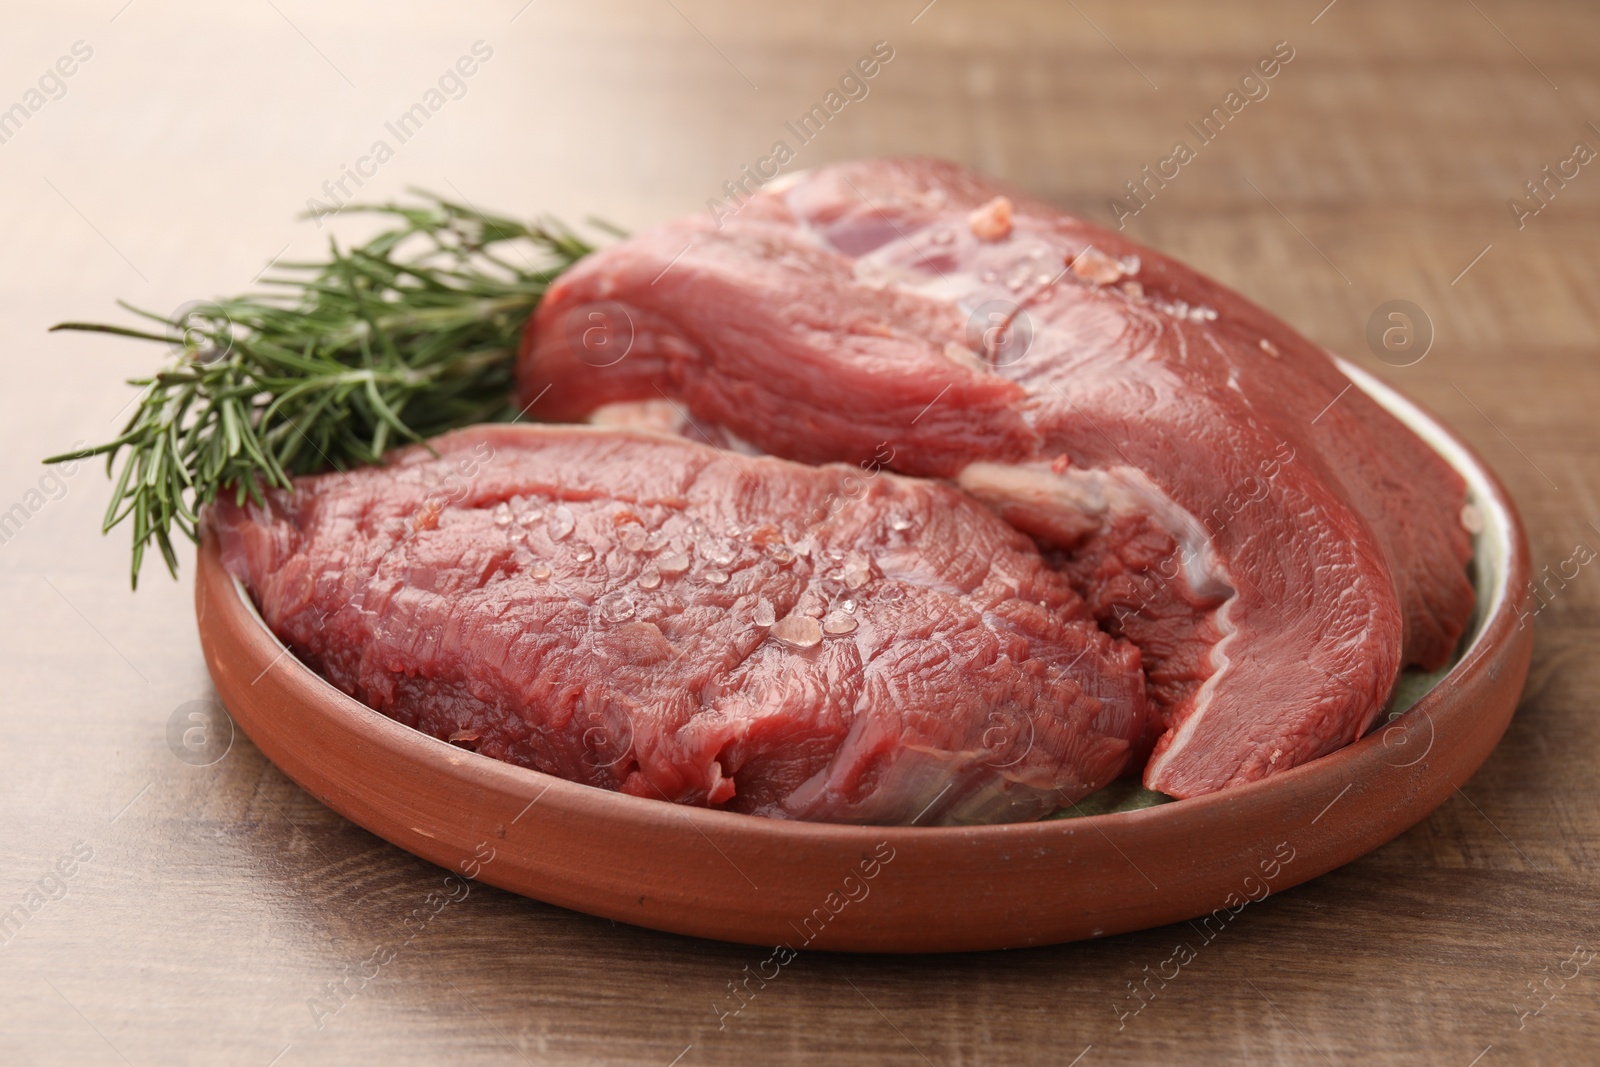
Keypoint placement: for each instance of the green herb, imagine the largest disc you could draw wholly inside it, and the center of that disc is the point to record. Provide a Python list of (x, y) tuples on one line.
[(412, 333)]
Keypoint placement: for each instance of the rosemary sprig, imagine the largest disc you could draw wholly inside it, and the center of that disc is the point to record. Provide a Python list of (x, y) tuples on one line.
[(408, 335)]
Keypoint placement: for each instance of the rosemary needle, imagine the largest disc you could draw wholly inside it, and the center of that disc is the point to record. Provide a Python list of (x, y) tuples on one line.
[(408, 335)]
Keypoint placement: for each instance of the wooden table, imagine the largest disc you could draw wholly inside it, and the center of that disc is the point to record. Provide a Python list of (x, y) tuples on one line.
[(218, 905)]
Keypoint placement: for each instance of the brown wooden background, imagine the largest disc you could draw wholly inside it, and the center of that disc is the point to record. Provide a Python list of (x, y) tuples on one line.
[(219, 899)]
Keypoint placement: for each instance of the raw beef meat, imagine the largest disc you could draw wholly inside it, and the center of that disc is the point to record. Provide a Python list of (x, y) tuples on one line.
[(643, 613), (1275, 543)]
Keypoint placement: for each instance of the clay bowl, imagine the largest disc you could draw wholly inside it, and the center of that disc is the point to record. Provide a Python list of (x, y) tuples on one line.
[(886, 889)]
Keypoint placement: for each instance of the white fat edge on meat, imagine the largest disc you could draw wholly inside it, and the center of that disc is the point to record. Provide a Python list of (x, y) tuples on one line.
[(661, 416), (738, 444), (1220, 667), (1105, 493), (665, 416), (784, 182)]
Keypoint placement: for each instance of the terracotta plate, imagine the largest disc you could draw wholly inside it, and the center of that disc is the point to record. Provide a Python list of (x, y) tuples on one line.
[(886, 889)]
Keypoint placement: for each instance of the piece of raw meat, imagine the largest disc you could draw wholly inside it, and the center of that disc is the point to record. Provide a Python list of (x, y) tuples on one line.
[(1275, 543), (639, 612)]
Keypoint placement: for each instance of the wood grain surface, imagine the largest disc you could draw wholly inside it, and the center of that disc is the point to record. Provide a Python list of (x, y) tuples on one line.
[(174, 913)]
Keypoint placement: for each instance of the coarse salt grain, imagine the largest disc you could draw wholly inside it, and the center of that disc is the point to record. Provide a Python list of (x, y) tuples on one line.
[(839, 623), (800, 631), (992, 221)]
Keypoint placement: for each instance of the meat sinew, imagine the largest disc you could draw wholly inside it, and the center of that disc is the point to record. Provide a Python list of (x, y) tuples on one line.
[(1275, 543), (643, 613)]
